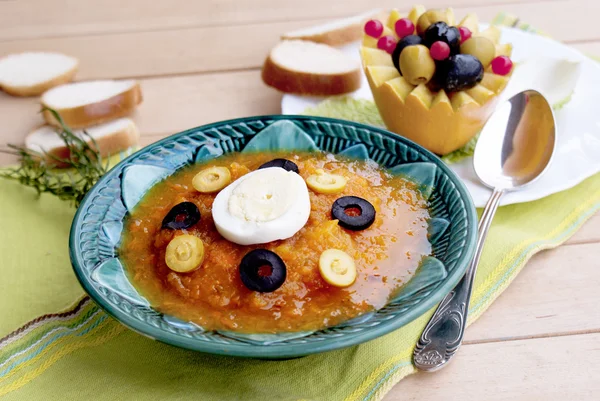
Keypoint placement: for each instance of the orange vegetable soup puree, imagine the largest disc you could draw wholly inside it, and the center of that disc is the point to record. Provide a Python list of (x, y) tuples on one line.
[(386, 254)]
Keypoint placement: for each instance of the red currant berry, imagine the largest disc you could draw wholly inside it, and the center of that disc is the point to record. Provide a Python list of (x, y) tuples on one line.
[(502, 65), (465, 33), (374, 28), (387, 43), (404, 27), (439, 50)]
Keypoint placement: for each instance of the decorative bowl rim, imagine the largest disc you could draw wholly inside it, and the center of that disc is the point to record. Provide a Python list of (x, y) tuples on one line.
[(276, 350)]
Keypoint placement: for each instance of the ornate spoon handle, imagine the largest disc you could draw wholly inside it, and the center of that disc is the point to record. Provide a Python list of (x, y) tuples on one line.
[(444, 333)]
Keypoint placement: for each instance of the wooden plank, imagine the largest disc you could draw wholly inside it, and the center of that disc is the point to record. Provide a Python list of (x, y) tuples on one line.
[(552, 295), (19, 116), (548, 369), (23, 19), (170, 105), (589, 233), (169, 52), (234, 47)]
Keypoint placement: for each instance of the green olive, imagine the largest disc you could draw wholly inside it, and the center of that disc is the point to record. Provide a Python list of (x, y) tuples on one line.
[(416, 64), (325, 183), (212, 179), (337, 268), (480, 47), (432, 16), (184, 253)]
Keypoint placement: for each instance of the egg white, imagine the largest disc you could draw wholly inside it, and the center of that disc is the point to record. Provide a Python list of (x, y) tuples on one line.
[(262, 206)]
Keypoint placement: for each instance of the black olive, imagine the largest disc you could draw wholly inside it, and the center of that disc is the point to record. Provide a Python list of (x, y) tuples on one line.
[(262, 270), (409, 40), (458, 72), (283, 163), (181, 216), (440, 31), (365, 215)]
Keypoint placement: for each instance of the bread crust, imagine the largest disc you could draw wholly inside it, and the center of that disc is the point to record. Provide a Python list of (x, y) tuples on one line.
[(120, 105), (107, 145), (339, 36), (336, 37), (305, 83)]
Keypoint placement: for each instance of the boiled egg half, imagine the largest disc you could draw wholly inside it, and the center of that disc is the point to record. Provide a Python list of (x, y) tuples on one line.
[(262, 206)]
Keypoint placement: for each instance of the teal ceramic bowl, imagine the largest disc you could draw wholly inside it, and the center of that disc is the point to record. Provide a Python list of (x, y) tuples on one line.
[(97, 227)]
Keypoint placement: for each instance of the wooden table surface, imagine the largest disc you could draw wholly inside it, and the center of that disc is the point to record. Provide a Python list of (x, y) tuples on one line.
[(199, 62)]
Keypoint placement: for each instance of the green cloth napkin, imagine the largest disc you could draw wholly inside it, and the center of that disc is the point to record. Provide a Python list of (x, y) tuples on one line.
[(76, 351)]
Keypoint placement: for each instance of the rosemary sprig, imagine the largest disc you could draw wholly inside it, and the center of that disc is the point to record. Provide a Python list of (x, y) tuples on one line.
[(37, 169)]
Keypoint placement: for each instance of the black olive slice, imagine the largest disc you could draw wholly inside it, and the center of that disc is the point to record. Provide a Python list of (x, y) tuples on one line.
[(181, 216), (262, 270), (285, 164), (363, 216)]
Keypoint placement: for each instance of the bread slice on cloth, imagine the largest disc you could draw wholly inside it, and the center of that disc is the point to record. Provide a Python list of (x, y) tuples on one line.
[(83, 104), (308, 68), (334, 33), (33, 73), (110, 138)]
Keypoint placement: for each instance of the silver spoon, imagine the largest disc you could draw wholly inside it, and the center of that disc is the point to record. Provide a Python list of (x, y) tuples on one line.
[(514, 149)]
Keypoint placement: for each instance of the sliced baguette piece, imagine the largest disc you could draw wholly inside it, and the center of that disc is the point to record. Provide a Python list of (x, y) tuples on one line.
[(33, 73), (83, 104), (308, 68), (111, 138), (335, 33)]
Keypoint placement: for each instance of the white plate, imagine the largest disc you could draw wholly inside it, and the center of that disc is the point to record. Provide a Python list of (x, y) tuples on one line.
[(578, 136)]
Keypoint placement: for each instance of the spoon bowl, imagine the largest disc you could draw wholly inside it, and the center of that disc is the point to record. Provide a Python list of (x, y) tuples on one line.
[(517, 143), (514, 149)]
